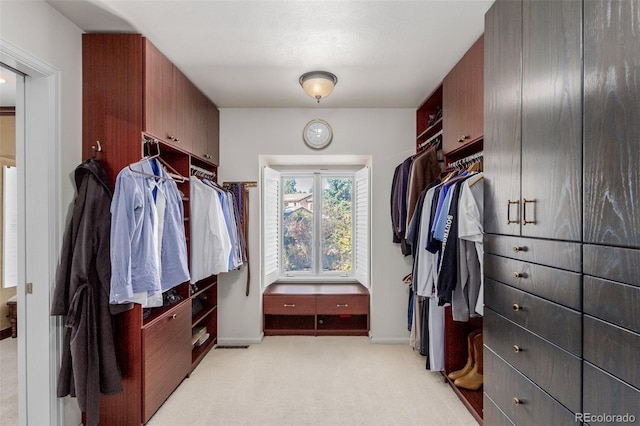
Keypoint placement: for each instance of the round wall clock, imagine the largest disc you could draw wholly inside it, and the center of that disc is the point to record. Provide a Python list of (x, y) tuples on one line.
[(317, 133)]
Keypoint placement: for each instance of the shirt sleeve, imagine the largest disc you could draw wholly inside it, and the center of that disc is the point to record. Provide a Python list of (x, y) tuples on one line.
[(126, 207)]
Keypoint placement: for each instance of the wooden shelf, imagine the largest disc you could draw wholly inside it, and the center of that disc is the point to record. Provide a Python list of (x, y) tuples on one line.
[(432, 130), (202, 315), (471, 399), (199, 352)]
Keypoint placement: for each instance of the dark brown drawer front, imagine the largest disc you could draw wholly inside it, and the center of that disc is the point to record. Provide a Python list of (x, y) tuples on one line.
[(166, 348), (492, 415), (613, 302), (614, 349), (624, 398), (553, 369), (502, 384), (613, 263), (558, 254), (556, 323), (342, 304), (557, 285), (289, 305)]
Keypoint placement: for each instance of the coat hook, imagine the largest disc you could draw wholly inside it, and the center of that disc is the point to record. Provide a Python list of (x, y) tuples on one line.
[(99, 149)]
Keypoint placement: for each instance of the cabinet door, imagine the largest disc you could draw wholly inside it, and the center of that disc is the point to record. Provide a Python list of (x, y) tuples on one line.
[(462, 91), (186, 111), (166, 346), (453, 93), (205, 143), (213, 134), (502, 102), (159, 99), (611, 131), (552, 120)]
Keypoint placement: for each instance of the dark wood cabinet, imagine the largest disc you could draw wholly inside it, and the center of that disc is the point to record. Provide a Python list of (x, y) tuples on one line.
[(611, 131), (159, 94), (533, 169), (574, 227), (316, 309), (462, 100), (176, 111), (502, 117), (533, 207), (129, 88)]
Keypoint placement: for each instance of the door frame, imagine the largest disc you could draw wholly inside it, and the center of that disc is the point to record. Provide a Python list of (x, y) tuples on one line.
[(38, 163)]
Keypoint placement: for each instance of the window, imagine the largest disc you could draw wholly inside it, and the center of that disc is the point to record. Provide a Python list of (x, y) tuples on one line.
[(315, 225)]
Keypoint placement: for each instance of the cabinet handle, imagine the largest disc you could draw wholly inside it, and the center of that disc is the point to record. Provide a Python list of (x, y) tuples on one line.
[(519, 275), (289, 305), (516, 307), (462, 138), (518, 249), (516, 348), (342, 305), (174, 316), (207, 156), (517, 401), (524, 212), (509, 221)]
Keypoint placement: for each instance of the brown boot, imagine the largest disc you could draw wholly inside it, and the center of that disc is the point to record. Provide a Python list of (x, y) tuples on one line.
[(469, 365), (473, 380)]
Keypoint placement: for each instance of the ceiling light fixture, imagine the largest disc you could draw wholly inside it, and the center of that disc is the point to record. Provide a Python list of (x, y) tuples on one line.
[(2, 80), (318, 84)]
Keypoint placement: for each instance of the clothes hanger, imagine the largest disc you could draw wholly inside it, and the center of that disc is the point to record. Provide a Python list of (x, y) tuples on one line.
[(174, 175)]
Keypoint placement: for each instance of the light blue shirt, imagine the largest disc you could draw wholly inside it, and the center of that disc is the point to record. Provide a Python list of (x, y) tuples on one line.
[(146, 256)]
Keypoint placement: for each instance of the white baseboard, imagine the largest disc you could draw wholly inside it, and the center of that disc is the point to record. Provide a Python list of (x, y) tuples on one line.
[(238, 341), (390, 340)]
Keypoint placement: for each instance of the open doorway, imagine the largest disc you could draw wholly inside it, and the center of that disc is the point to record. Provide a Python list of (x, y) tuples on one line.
[(9, 82)]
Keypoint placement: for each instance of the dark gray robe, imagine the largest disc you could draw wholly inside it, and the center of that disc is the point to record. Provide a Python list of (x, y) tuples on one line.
[(89, 365)]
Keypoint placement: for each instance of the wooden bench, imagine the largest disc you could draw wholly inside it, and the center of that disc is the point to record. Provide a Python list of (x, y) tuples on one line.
[(316, 309)]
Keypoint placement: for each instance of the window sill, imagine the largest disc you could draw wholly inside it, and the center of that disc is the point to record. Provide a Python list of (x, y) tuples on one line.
[(317, 280)]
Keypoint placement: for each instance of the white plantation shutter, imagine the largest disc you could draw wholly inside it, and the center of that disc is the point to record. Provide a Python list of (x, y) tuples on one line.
[(271, 225), (361, 239)]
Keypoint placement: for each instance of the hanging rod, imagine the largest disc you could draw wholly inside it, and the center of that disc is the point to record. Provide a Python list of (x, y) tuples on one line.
[(431, 139), (466, 160), (199, 171), (247, 184)]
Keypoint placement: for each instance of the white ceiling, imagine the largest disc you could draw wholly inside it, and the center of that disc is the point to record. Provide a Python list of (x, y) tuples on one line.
[(386, 54)]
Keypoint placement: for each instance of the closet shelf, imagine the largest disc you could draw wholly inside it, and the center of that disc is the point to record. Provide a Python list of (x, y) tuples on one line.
[(195, 320), (430, 131), (471, 399), (203, 287)]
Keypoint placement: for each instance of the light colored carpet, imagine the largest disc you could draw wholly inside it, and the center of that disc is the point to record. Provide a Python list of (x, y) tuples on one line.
[(9, 382), (299, 380)]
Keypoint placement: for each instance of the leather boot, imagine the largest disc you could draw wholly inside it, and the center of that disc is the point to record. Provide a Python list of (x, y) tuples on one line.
[(469, 365), (473, 380)]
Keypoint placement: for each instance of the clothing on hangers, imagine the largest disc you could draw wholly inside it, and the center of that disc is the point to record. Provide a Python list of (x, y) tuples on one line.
[(148, 244)]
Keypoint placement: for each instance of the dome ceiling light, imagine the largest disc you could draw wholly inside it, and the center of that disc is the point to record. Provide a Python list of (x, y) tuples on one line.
[(318, 84)]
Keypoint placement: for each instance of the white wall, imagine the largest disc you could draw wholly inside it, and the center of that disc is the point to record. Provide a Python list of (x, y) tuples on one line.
[(388, 135), (39, 31)]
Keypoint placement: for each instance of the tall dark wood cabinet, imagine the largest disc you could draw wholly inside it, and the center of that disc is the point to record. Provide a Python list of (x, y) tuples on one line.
[(612, 207), (562, 222), (132, 94), (533, 188)]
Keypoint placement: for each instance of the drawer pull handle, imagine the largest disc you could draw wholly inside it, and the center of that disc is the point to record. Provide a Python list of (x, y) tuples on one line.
[(518, 275), (509, 221), (342, 305), (518, 249), (289, 305), (517, 401), (524, 212), (174, 316), (516, 348), (516, 307)]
